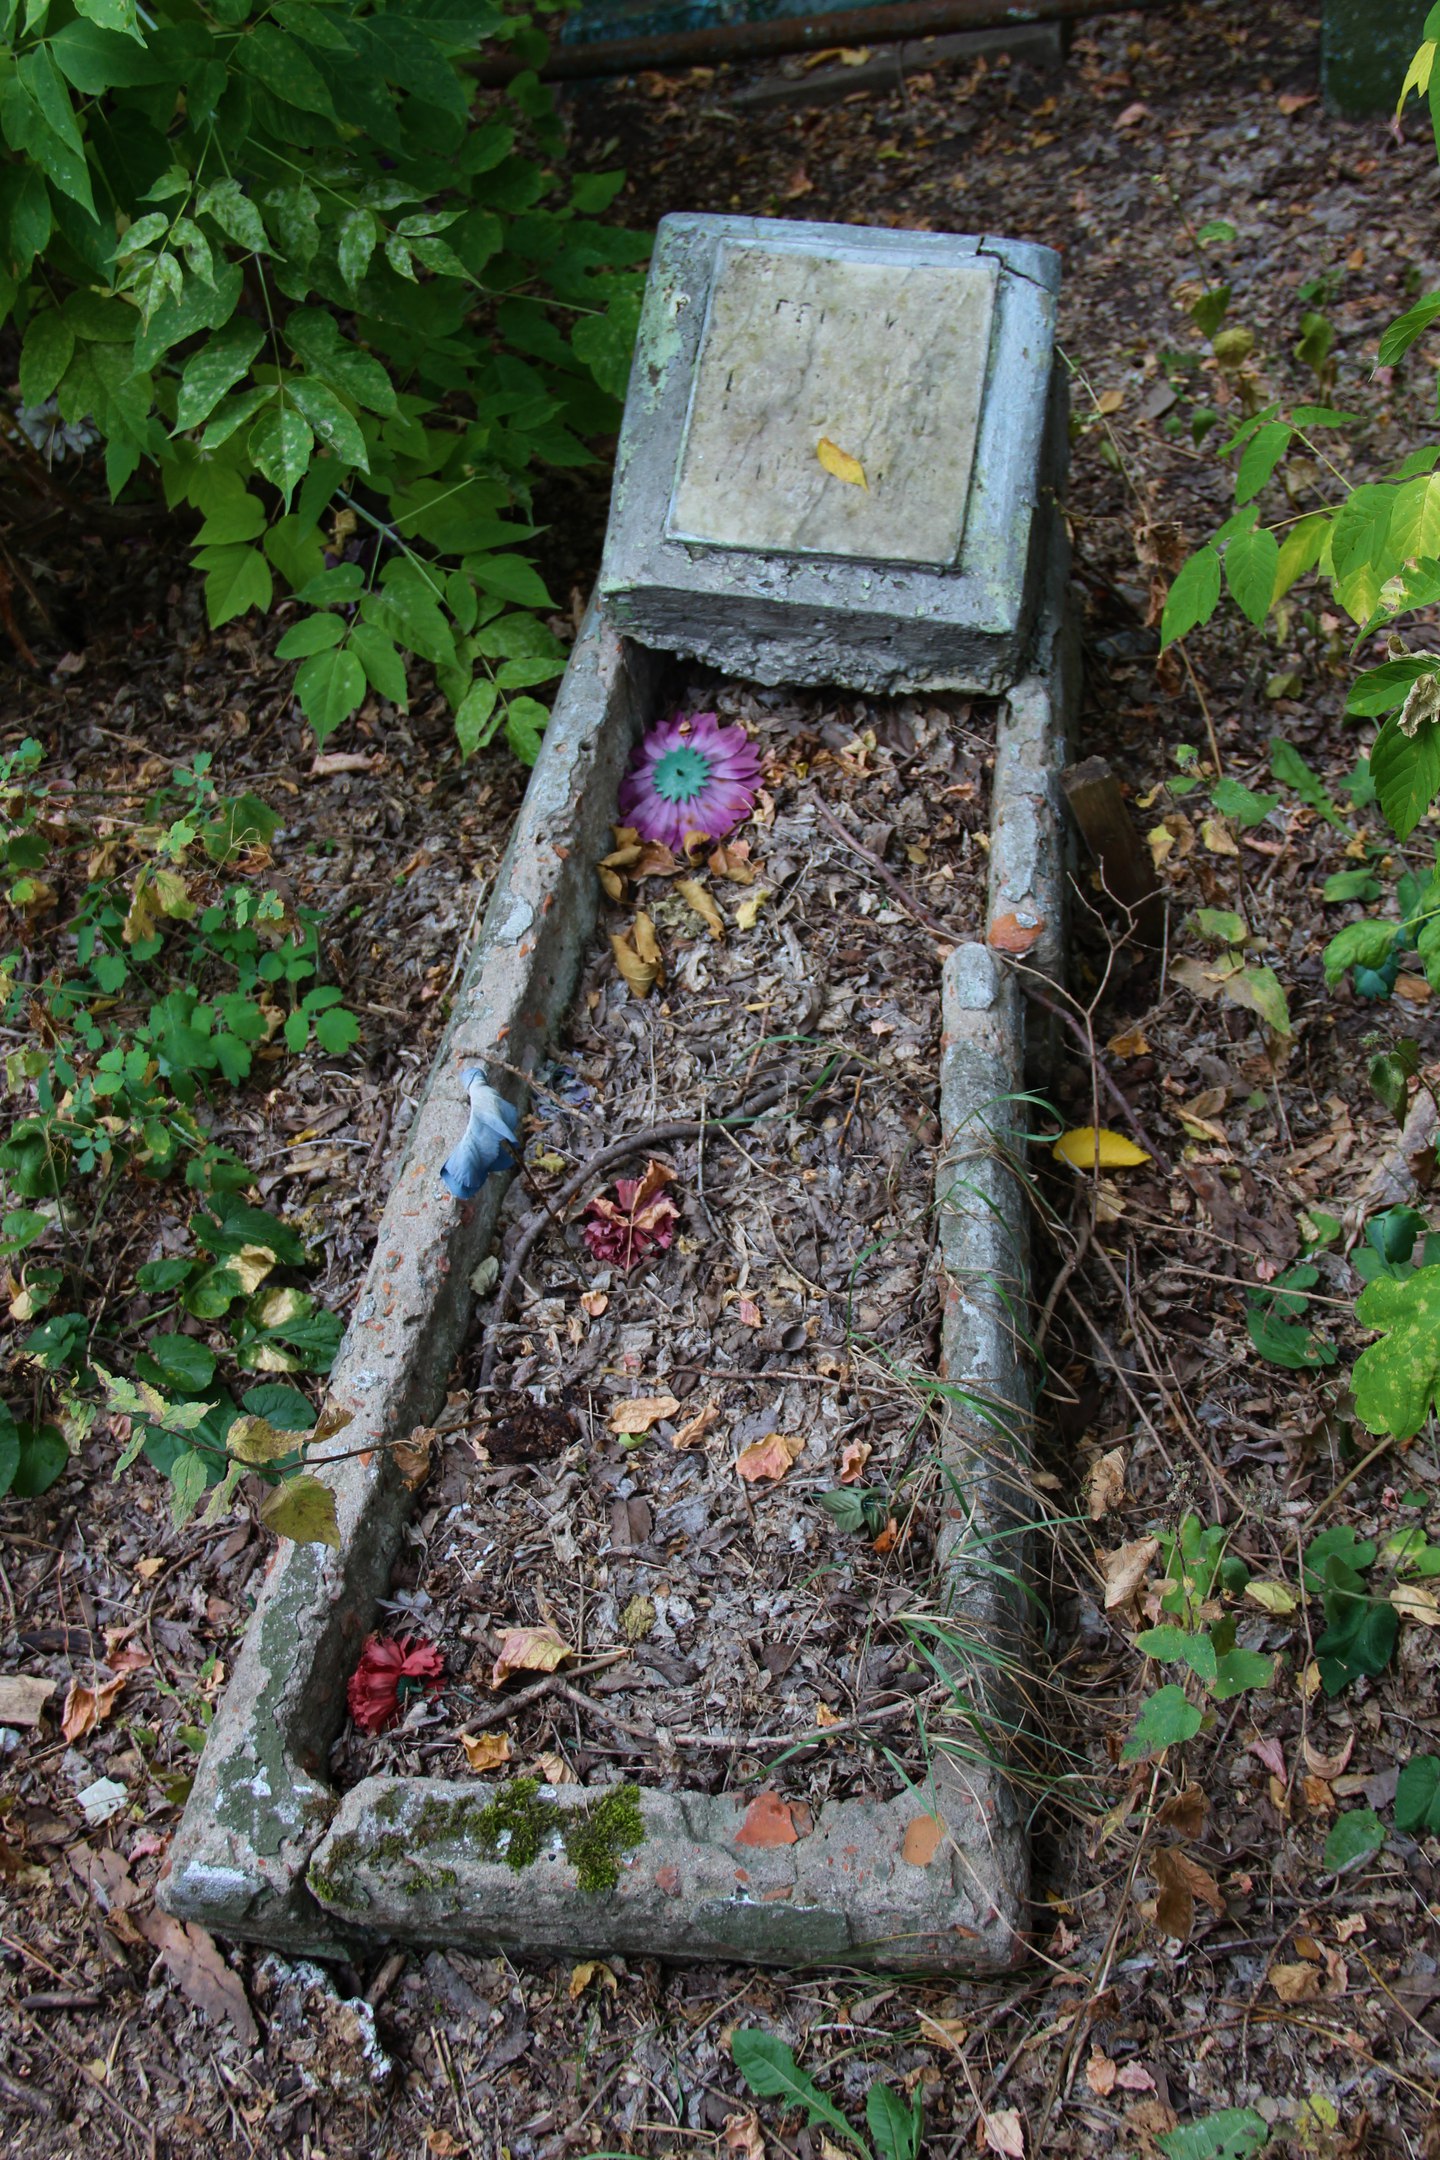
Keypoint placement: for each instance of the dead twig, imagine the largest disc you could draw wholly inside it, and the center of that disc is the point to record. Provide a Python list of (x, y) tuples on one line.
[(887, 877)]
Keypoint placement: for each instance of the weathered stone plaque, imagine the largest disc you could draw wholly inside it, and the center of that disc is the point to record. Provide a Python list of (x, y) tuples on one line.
[(840, 454), (885, 361)]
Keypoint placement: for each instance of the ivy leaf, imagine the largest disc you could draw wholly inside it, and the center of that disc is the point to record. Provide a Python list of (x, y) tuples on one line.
[(384, 669), (1397, 1379), (1232, 2134), (45, 355), (238, 578), (217, 366), (355, 241), (1417, 1795), (1406, 773), (330, 686), (281, 443), (1261, 455), (1194, 596), (1353, 1837), (333, 422), (303, 1510), (1252, 561), (1166, 1720)]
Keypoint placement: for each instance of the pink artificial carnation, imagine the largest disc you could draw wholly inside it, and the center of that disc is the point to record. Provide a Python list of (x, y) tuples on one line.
[(391, 1672), (690, 774)]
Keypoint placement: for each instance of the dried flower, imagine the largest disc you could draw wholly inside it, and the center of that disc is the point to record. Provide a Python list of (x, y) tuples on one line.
[(639, 1220), (690, 774), (391, 1673)]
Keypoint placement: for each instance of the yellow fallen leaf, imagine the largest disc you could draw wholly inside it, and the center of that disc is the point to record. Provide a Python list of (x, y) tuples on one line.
[(748, 912), (1413, 1603), (1216, 835), (840, 463), (527, 1649), (1110, 401), (1272, 1597), (695, 894), (1129, 1043), (485, 1751), (638, 956), (824, 1715), (641, 1412), (584, 1976), (1090, 1147), (769, 1459)]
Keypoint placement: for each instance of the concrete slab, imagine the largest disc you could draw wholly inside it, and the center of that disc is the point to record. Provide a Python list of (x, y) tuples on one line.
[(933, 356), (887, 362)]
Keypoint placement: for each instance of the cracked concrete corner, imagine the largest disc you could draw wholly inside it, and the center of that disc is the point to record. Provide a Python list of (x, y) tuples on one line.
[(261, 1799)]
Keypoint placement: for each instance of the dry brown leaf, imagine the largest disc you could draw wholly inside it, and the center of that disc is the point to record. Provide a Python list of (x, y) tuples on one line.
[(693, 1431), (485, 1751), (529, 1650), (1185, 1812), (749, 1313), (1413, 989), (1011, 933), (1216, 835), (1004, 2132), (950, 2032), (412, 1457), (638, 956), (585, 1975), (22, 1699), (1327, 1766), (594, 1302), (554, 1770), (641, 1412), (731, 860), (1105, 1483), (1295, 1983), (1135, 2078), (1414, 1603), (87, 1707), (1179, 1880), (1125, 1569), (1129, 1043), (696, 896), (888, 1537), (770, 1458), (742, 2137), (748, 912), (194, 1962), (1100, 2074), (824, 1715), (853, 1458)]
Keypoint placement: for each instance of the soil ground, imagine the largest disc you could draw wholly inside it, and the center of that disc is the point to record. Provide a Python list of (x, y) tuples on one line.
[(1309, 1996)]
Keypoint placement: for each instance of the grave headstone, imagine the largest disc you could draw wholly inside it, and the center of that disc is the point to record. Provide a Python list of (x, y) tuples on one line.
[(839, 454)]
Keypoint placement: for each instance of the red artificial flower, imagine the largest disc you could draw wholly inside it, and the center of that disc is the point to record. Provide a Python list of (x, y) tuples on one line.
[(391, 1673), (639, 1220)]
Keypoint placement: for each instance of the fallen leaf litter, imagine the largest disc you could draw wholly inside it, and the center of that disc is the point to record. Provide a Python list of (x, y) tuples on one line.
[(768, 1346)]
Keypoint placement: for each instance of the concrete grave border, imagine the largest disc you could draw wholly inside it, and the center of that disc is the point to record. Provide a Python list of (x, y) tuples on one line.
[(268, 1852), (840, 620)]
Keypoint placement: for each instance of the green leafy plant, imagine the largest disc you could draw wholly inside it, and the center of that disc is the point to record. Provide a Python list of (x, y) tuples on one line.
[(1274, 1321), (1417, 1796), (856, 1509), (176, 970), (1198, 1633), (769, 2068), (1232, 2134), (1361, 1629), (275, 257)]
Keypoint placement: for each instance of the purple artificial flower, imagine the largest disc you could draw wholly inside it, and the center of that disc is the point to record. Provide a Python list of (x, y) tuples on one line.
[(690, 775)]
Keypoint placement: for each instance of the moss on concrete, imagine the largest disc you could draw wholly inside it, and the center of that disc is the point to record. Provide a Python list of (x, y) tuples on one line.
[(514, 1827)]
